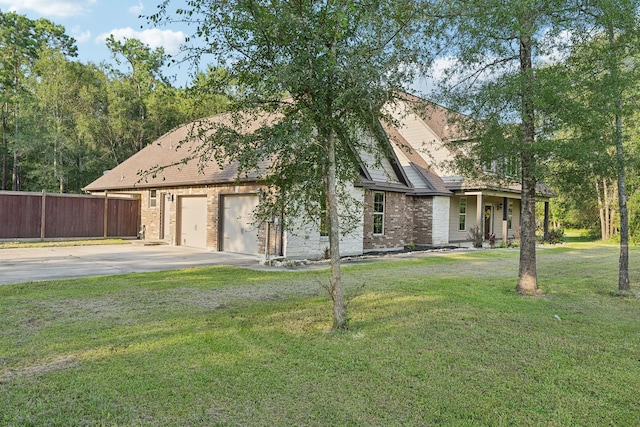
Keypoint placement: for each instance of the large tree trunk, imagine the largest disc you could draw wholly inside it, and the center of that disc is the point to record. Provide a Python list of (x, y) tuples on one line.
[(16, 184), (339, 310), (607, 209), (527, 274)]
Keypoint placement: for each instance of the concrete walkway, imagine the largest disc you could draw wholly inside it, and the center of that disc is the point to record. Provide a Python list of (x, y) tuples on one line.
[(52, 263)]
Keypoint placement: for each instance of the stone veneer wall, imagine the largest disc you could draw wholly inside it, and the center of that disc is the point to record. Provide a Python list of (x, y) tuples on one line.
[(440, 223), (304, 240)]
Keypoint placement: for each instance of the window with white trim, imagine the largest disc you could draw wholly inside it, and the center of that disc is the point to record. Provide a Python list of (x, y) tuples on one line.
[(462, 214), (153, 198), (378, 213), (324, 218)]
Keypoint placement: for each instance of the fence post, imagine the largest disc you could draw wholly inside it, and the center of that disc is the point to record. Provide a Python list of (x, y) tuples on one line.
[(43, 214), (106, 215)]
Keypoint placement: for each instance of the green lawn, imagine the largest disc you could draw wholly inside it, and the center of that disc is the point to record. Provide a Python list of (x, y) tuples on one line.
[(439, 340)]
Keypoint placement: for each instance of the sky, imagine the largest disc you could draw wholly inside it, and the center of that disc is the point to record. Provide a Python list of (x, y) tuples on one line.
[(90, 22)]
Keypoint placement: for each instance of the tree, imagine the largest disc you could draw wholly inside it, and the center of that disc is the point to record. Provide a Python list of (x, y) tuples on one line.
[(205, 96), (602, 91), (323, 69), (139, 88), (498, 49)]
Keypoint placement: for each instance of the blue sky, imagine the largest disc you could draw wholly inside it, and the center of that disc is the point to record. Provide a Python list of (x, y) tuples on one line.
[(91, 21)]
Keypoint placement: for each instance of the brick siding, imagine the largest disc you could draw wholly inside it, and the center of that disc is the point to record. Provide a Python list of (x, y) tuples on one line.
[(407, 220)]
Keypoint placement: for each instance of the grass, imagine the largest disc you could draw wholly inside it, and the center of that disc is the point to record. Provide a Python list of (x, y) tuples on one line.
[(577, 235), (439, 340), (58, 243)]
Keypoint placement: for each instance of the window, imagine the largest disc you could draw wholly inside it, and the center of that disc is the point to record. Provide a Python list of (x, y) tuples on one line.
[(510, 216), (506, 167), (462, 222), (378, 213), (324, 218), (152, 198)]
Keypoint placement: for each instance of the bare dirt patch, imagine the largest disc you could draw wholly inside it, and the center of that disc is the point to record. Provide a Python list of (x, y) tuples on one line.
[(58, 364)]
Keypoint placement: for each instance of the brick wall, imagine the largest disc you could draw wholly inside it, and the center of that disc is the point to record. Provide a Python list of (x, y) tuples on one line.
[(423, 221), (407, 220)]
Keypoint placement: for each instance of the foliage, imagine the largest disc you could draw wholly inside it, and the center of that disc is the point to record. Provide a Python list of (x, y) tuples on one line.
[(21, 41), (475, 235), (230, 346), (555, 236)]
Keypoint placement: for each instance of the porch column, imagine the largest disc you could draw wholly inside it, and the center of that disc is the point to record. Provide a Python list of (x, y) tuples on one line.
[(546, 221), (480, 213), (505, 218)]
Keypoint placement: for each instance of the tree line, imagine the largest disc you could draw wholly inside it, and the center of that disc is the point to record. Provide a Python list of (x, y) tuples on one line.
[(65, 122)]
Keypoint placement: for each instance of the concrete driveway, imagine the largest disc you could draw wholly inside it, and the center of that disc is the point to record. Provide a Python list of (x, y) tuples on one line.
[(52, 263)]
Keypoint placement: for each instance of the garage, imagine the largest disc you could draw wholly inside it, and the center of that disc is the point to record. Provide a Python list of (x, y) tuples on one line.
[(238, 233), (193, 221)]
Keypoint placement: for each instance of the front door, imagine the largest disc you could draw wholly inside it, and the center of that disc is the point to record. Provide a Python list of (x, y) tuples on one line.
[(488, 223)]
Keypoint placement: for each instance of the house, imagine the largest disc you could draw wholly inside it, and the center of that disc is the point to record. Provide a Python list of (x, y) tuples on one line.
[(410, 197)]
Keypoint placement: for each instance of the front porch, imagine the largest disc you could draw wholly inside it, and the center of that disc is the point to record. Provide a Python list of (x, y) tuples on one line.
[(491, 214)]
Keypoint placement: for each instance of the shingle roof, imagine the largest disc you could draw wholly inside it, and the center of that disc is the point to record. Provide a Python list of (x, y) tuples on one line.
[(169, 150)]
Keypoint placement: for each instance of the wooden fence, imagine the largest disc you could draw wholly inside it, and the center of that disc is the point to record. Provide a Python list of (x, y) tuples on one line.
[(50, 216)]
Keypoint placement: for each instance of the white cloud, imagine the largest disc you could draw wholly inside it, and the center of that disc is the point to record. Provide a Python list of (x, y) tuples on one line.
[(137, 9), (169, 40), (441, 65), (81, 36), (52, 8)]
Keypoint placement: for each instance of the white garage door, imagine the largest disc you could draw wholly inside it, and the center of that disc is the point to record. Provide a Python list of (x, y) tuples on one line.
[(193, 222), (239, 234)]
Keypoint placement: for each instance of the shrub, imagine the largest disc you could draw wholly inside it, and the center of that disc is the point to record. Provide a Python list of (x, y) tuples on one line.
[(475, 235), (556, 235)]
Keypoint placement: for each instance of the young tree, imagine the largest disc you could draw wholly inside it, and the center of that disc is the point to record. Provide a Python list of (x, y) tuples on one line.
[(323, 70), (601, 99), (498, 49)]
